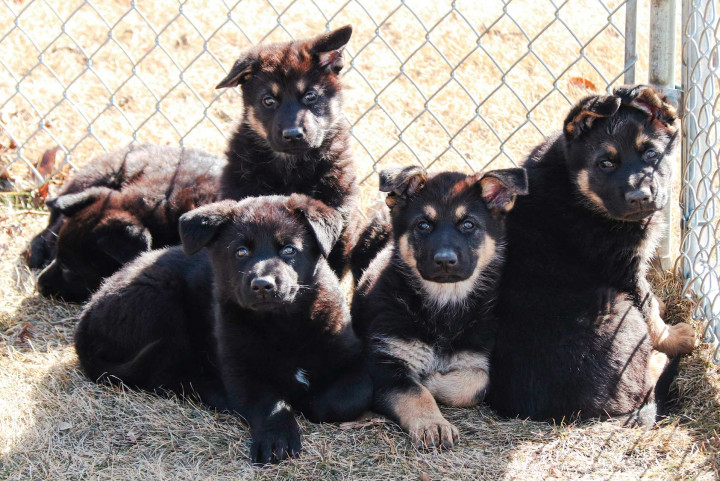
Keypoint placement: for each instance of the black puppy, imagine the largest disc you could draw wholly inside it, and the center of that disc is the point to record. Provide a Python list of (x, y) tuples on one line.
[(292, 137), (574, 299), (423, 305), (117, 206), (264, 291)]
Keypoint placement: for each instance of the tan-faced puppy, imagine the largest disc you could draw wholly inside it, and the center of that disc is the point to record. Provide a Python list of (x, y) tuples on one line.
[(117, 206), (292, 137), (423, 305), (574, 298), (251, 320)]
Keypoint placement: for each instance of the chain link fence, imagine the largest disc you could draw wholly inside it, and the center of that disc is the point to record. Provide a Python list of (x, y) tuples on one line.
[(700, 197), (458, 85)]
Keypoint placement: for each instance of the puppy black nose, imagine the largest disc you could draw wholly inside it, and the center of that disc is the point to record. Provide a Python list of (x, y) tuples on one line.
[(293, 133), (639, 197), (445, 258), (262, 285)]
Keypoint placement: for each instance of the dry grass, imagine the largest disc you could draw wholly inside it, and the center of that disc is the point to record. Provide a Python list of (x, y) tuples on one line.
[(54, 424)]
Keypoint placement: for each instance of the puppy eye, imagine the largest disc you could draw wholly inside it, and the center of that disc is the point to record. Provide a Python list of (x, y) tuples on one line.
[(650, 155), (269, 101), (242, 252), (288, 251), (606, 164), (423, 225), (468, 225), (310, 97)]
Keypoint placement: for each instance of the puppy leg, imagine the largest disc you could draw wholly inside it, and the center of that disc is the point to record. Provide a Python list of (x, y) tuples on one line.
[(344, 400), (415, 410), (274, 430), (671, 340), (460, 388)]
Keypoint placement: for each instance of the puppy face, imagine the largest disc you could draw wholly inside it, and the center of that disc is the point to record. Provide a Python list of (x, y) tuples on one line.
[(291, 91), (97, 237), (618, 148), (449, 227), (265, 250)]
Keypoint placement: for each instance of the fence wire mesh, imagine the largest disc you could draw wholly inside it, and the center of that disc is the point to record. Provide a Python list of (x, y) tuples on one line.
[(450, 85), (700, 196)]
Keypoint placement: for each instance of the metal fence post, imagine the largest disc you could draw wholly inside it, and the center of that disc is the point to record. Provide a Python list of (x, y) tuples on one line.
[(661, 73), (698, 252)]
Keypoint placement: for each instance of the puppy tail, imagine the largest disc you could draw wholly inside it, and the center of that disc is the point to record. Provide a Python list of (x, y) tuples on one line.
[(132, 372)]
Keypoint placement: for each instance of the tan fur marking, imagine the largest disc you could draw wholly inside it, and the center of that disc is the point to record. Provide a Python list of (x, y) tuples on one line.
[(460, 212), (655, 367), (418, 357), (583, 183), (461, 380), (255, 124), (641, 141), (461, 388), (275, 89), (418, 414), (610, 149), (430, 212), (300, 85), (406, 251)]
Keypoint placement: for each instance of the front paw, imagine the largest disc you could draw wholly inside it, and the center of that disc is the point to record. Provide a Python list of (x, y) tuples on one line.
[(276, 443), (433, 432), (679, 339)]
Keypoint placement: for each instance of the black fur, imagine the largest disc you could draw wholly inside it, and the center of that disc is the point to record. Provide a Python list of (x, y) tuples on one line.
[(292, 137), (573, 301), (256, 323), (117, 206), (448, 233)]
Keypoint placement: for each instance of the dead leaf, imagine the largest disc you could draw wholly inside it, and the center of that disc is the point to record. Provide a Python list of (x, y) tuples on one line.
[(25, 333), (424, 477), (47, 163), (362, 424), (64, 426), (582, 83)]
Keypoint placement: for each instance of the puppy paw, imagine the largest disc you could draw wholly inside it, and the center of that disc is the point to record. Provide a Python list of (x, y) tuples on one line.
[(434, 433), (679, 339), (272, 445)]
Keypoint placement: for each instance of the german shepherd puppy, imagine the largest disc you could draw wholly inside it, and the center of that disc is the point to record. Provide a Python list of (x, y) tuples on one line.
[(574, 298), (423, 305), (119, 205), (292, 137), (256, 323)]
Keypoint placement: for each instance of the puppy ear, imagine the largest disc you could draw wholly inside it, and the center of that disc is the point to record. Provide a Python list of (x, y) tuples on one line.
[(70, 204), (583, 114), (200, 226), (328, 48), (325, 222), (124, 242), (401, 183), (241, 70), (649, 100), (501, 187)]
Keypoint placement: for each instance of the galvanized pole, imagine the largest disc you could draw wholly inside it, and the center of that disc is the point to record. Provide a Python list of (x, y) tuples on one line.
[(661, 73), (630, 41)]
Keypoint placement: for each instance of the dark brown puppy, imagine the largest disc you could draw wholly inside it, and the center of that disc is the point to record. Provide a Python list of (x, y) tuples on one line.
[(574, 299), (292, 137), (119, 205), (256, 323), (423, 307)]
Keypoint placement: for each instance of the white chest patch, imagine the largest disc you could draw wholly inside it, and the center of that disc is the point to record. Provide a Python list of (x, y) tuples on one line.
[(301, 377)]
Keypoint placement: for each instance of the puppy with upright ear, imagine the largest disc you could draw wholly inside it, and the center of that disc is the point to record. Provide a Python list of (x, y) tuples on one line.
[(292, 137), (423, 306)]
